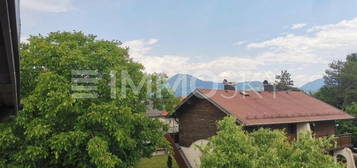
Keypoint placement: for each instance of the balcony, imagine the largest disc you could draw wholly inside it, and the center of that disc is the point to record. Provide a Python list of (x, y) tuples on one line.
[(344, 140)]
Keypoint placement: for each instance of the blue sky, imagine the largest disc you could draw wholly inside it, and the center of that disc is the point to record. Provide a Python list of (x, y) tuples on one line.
[(211, 39)]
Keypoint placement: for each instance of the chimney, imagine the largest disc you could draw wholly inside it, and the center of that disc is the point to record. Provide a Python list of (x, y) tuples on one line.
[(228, 85), (267, 86)]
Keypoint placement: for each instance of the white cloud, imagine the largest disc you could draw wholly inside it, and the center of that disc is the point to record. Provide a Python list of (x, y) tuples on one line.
[(305, 56), (342, 25), (297, 26), (240, 69), (152, 41), (302, 79), (47, 5), (321, 44), (231, 68), (139, 48), (239, 43)]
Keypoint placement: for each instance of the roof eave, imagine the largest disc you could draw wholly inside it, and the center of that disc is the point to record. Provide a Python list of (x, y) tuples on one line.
[(302, 121)]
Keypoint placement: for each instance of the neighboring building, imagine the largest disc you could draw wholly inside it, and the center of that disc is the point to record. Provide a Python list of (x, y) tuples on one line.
[(292, 111), (9, 58), (165, 118)]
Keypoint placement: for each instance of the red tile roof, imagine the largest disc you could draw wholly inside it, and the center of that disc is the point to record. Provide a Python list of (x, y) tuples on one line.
[(165, 113), (260, 108)]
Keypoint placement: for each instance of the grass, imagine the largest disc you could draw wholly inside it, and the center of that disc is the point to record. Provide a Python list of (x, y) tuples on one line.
[(155, 162)]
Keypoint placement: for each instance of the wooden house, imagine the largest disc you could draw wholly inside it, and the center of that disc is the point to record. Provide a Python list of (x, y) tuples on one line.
[(291, 111)]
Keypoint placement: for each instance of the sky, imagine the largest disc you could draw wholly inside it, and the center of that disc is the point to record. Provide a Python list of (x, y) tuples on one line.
[(213, 40)]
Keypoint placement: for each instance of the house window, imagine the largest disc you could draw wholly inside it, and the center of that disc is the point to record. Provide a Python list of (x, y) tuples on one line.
[(292, 128)]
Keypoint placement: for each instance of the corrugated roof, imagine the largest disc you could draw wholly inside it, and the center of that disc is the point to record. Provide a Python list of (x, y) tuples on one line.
[(261, 108)]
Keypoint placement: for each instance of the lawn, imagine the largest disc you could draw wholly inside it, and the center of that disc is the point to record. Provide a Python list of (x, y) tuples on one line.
[(155, 162)]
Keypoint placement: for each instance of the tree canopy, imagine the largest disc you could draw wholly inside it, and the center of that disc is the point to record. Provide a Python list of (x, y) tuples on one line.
[(349, 126), (56, 128), (340, 90), (284, 82), (232, 147)]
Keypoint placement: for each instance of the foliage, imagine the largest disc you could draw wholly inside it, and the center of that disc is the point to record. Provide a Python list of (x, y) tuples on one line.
[(349, 126), (56, 129), (328, 95), (232, 147), (169, 162), (340, 88), (284, 81)]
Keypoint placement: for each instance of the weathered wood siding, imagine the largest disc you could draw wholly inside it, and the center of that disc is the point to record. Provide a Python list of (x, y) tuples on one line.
[(320, 128), (290, 129), (324, 128), (198, 120)]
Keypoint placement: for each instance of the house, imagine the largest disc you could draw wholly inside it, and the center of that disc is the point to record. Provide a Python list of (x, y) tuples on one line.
[(9, 58), (163, 116), (292, 111)]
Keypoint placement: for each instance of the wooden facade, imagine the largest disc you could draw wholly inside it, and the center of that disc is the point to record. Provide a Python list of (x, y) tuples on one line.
[(290, 129), (323, 128), (198, 121)]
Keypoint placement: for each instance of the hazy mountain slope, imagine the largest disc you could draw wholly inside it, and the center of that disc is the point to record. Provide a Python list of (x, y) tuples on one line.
[(184, 84), (313, 86)]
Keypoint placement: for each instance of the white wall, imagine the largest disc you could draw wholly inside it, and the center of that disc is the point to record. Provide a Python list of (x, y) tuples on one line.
[(193, 154), (173, 125), (301, 127)]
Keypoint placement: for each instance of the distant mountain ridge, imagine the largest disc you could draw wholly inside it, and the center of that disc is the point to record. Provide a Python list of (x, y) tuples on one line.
[(313, 86), (184, 84)]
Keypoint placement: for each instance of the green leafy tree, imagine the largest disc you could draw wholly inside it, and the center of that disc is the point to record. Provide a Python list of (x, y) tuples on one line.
[(57, 129), (232, 147)]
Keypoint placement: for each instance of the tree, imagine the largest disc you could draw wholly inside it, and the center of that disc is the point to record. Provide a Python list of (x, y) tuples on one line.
[(284, 81), (340, 90), (349, 126), (341, 82), (328, 95), (232, 147), (58, 127), (169, 162)]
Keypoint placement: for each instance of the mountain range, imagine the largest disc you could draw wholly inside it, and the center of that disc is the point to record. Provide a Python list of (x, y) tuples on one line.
[(312, 86), (184, 84)]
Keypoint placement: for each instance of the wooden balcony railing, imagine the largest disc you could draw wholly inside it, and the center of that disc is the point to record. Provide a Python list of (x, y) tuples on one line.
[(180, 158), (344, 140)]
